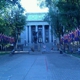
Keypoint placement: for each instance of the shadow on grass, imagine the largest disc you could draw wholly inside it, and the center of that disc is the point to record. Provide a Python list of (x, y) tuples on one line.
[(4, 52), (76, 54)]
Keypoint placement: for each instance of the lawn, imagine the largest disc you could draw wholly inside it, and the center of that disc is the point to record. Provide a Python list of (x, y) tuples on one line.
[(4, 52), (74, 54)]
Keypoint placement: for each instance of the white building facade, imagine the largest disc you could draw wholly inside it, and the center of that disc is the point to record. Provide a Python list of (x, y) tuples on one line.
[(36, 23)]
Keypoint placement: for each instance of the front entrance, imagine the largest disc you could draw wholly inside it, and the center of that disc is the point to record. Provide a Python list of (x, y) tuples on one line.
[(40, 34), (46, 33), (32, 32)]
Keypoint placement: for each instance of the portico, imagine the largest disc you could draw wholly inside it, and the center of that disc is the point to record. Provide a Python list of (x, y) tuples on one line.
[(36, 23), (43, 34)]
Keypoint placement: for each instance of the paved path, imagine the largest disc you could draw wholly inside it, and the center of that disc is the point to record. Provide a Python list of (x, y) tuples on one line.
[(52, 66), (64, 67), (24, 67)]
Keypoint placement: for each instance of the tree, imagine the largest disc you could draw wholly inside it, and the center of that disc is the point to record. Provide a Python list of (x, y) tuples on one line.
[(12, 18), (19, 22), (68, 12), (5, 8), (16, 21), (54, 19)]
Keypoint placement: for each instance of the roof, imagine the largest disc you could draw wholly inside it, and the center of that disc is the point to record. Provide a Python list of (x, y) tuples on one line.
[(36, 16)]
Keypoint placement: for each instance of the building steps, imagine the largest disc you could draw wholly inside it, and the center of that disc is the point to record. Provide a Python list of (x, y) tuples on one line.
[(38, 49)]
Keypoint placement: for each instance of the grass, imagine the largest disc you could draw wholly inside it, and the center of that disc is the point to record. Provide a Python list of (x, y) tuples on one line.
[(74, 54), (4, 52)]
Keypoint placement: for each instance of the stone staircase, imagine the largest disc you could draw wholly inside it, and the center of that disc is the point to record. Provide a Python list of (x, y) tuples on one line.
[(38, 48), (25, 49), (50, 46)]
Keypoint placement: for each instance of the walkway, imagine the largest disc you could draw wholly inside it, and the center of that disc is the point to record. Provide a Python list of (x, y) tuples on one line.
[(64, 67), (23, 67), (51, 66)]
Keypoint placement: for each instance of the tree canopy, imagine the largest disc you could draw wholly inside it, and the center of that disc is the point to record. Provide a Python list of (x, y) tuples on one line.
[(10, 10), (64, 15), (12, 18)]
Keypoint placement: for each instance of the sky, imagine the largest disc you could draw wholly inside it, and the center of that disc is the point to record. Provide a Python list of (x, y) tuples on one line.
[(31, 6)]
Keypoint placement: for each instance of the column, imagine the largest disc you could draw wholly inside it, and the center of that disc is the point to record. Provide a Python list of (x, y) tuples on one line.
[(36, 28), (49, 34), (43, 32), (29, 34), (37, 33)]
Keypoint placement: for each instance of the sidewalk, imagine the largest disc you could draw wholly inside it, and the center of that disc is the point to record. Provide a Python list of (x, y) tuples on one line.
[(51, 66), (64, 67), (24, 67)]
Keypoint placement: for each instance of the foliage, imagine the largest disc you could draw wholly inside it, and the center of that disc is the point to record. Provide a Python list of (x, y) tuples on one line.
[(64, 15), (19, 20), (9, 15), (12, 18)]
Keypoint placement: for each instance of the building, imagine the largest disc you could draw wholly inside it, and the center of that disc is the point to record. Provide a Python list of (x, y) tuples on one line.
[(36, 23)]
